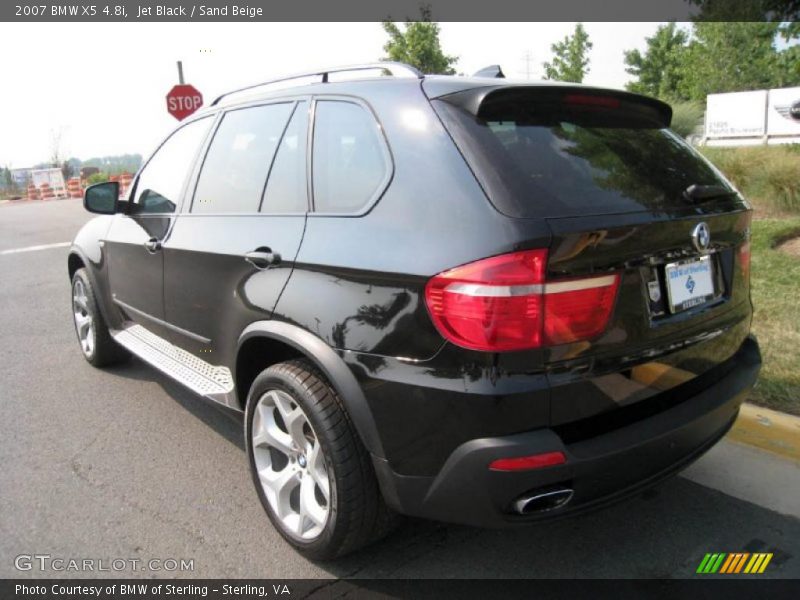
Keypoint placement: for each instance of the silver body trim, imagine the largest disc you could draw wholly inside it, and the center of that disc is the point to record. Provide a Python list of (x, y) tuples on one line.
[(394, 68), (498, 291), (205, 379)]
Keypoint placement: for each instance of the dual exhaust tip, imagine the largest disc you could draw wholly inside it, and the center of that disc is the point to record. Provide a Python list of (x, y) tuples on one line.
[(541, 500)]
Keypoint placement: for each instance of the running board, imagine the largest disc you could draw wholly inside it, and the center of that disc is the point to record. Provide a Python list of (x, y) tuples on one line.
[(216, 383)]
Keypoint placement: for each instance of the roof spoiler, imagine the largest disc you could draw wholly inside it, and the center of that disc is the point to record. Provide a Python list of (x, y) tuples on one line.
[(479, 101)]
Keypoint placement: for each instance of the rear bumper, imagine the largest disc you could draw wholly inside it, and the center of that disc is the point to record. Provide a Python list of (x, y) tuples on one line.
[(599, 470)]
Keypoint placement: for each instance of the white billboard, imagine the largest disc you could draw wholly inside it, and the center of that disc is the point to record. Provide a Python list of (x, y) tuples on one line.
[(736, 115), (757, 117)]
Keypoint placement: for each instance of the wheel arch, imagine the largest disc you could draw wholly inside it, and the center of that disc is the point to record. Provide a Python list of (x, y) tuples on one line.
[(290, 341), (74, 262)]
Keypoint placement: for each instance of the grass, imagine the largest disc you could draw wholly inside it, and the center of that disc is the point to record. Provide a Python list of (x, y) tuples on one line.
[(769, 176), (775, 281)]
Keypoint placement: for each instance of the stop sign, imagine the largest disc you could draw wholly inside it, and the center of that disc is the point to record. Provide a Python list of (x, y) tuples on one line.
[(183, 100)]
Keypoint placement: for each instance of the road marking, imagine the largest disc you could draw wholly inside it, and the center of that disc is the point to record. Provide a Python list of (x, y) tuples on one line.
[(35, 248)]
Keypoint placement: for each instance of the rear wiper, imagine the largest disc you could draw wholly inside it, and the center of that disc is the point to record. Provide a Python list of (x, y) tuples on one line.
[(700, 193)]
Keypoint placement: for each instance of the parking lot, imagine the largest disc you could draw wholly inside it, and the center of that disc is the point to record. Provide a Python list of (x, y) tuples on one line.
[(124, 463)]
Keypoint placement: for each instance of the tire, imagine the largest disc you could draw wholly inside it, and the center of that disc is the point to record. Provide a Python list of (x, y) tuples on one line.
[(294, 396), (97, 345)]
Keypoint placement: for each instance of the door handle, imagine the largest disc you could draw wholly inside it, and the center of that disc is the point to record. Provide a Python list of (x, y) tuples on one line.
[(153, 245), (262, 258)]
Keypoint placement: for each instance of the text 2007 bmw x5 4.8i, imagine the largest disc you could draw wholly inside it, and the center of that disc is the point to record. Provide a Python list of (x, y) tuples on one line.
[(454, 298)]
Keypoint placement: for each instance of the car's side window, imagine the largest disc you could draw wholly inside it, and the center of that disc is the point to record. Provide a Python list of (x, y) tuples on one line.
[(286, 189), (235, 169), (160, 182), (349, 162)]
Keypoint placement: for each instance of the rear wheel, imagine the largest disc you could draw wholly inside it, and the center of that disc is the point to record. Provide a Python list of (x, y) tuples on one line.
[(312, 474), (97, 345)]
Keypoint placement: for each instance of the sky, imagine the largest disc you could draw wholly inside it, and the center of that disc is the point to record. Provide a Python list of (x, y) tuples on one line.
[(100, 88)]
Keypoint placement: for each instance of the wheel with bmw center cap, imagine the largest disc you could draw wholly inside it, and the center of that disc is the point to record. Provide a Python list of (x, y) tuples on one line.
[(311, 471)]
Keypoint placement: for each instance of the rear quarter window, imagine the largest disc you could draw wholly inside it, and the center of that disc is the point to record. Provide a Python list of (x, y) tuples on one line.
[(350, 163)]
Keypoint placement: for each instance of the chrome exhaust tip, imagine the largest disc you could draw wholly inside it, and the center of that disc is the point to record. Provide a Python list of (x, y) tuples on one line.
[(541, 501)]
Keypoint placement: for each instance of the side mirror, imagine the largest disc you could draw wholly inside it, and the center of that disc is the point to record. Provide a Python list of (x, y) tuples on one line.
[(101, 198)]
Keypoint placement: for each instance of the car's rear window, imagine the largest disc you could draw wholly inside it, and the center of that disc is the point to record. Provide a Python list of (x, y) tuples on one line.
[(574, 155)]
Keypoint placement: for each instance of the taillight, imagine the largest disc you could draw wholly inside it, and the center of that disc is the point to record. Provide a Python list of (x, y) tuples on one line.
[(504, 303)]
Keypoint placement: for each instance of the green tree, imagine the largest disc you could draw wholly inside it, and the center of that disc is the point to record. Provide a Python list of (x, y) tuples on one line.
[(8, 178), (732, 57), (418, 45), (747, 10), (658, 70), (97, 178), (570, 57)]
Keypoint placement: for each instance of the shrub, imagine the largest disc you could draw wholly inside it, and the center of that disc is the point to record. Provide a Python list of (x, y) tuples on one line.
[(686, 117), (97, 178), (764, 174)]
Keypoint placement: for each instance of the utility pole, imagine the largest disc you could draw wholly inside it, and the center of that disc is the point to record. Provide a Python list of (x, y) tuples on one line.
[(528, 58)]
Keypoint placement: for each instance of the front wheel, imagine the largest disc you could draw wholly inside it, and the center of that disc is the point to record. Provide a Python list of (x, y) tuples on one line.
[(97, 345), (312, 474)]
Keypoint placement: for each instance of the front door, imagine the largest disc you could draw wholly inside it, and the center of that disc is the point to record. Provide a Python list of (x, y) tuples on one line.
[(134, 243)]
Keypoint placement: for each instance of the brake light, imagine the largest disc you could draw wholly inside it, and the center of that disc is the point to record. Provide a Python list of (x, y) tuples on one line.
[(589, 100), (504, 303), (527, 463)]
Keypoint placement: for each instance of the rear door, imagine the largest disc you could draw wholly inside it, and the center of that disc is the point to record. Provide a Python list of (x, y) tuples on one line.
[(135, 240), (622, 195), (233, 247)]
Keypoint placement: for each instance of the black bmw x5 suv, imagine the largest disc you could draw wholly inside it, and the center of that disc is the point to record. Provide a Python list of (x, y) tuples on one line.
[(456, 298)]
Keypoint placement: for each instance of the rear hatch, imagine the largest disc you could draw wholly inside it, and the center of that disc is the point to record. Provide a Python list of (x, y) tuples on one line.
[(622, 194)]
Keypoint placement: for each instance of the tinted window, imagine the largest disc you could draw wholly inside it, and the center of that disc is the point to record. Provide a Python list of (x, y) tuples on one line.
[(235, 168), (537, 158), (348, 162), (286, 188), (161, 180)]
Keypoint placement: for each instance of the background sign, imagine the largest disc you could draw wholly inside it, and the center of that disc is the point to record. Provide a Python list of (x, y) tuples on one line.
[(748, 118), (740, 114), (183, 100), (779, 117)]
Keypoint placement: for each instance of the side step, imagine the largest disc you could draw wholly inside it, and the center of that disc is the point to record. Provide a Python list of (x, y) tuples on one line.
[(196, 374)]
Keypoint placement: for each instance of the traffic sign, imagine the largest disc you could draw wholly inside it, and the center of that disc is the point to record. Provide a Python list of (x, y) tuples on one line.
[(183, 100)]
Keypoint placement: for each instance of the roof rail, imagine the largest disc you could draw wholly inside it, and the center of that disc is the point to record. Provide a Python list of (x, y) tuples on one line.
[(392, 67)]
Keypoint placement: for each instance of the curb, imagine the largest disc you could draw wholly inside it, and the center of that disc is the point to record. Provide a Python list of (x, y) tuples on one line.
[(769, 430)]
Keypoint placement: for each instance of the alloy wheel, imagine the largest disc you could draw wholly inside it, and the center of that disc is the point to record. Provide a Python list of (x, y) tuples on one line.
[(291, 466), (84, 322)]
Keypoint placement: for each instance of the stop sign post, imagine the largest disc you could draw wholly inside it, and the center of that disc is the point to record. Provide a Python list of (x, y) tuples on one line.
[(183, 100)]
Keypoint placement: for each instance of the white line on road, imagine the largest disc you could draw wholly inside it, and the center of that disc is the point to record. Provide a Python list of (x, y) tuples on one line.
[(34, 248)]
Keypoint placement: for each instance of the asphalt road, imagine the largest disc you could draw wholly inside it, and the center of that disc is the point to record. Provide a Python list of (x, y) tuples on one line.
[(123, 463)]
